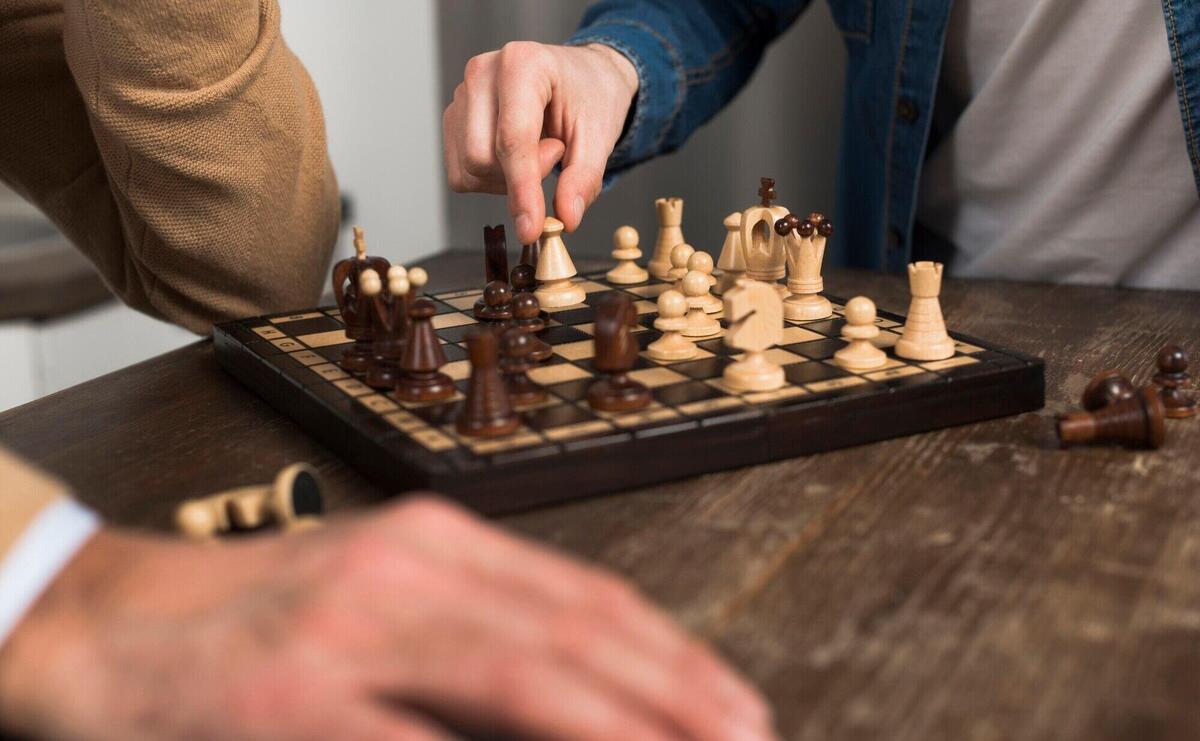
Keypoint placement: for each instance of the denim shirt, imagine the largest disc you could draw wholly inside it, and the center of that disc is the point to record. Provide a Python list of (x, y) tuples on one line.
[(692, 57)]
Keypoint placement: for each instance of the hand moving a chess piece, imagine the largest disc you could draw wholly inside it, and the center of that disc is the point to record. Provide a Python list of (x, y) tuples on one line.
[(521, 109), (300, 637)]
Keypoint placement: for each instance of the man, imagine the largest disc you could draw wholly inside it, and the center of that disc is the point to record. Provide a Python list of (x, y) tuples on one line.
[(180, 144), (1045, 140)]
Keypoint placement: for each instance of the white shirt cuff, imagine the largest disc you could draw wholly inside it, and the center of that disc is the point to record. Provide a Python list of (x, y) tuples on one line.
[(43, 549)]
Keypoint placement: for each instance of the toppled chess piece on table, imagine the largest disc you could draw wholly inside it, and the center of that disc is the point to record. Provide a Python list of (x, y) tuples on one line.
[(671, 321), (293, 501), (421, 378), (516, 349), (356, 308), (487, 411), (1136, 422), (699, 324), (616, 354), (670, 233), (731, 263), (804, 258), (1107, 387), (1172, 379), (680, 254), (860, 354), (755, 314), (626, 253), (925, 336), (555, 270), (527, 316)]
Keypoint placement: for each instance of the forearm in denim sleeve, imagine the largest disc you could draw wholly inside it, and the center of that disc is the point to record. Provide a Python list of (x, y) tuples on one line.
[(692, 57)]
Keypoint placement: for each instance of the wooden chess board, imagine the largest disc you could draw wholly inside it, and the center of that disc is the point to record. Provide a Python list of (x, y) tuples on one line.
[(565, 450)]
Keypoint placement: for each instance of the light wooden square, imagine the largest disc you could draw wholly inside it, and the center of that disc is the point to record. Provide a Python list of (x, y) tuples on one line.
[(701, 353), (898, 371), (712, 405), (655, 377), (296, 317), (465, 302), (778, 356), (353, 387), (330, 372), (379, 404), (551, 374), (653, 290), (269, 333), (793, 335), (950, 363), (836, 383), (579, 429), (287, 344), (885, 340), (645, 307), (432, 439), (445, 321), (589, 286), (886, 323), (516, 441), (472, 292), (308, 357), (576, 350), (458, 370), (325, 339), (404, 421), (965, 348)]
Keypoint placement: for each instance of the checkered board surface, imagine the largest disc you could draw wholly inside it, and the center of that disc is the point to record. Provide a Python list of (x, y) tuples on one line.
[(564, 449)]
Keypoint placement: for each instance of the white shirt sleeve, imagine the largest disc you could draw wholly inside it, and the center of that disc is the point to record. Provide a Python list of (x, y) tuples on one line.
[(44, 548)]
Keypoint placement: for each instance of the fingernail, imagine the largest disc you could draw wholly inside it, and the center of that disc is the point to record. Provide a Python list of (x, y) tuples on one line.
[(579, 208), (524, 225)]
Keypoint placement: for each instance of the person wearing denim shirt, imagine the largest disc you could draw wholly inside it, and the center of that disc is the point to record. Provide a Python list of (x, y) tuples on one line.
[(1116, 207)]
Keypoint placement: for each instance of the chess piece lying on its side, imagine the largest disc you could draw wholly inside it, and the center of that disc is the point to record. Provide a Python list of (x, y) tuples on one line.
[(1136, 422), (293, 501)]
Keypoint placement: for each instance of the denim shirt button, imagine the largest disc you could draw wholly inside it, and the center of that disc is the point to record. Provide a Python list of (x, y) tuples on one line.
[(906, 110)]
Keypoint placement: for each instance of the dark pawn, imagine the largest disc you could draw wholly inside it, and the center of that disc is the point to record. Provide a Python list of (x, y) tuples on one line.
[(523, 278), (1172, 378), (616, 353), (1136, 422), (496, 303), (487, 412), (1108, 387), (527, 316), (421, 378), (516, 347), (495, 265)]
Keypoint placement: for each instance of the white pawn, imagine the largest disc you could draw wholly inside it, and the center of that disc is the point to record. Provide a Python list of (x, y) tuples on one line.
[(702, 262), (555, 270), (680, 254), (699, 323), (860, 329), (671, 321), (625, 252)]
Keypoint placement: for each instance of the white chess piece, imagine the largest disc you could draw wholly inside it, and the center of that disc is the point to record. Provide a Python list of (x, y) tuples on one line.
[(702, 262), (670, 233), (860, 354), (699, 323), (925, 336), (804, 257), (755, 314), (763, 248), (680, 254), (671, 321), (732, 262), (626, 252), (555, 270)]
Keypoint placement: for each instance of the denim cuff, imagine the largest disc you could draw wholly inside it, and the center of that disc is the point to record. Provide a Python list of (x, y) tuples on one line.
[(661, 87)]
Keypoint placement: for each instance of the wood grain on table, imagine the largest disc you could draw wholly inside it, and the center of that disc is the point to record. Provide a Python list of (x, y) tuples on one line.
[(971, 583)]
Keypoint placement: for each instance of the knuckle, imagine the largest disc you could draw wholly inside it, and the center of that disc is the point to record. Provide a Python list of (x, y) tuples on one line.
[(615, 597), (477, 160), (510, 140), (427, 512), (477, 67), (520, 53)]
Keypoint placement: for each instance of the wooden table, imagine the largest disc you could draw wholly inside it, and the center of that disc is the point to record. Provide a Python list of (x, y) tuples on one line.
[(973, 583)]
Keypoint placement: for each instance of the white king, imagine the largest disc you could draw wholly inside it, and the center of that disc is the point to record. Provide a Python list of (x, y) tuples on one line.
[(804, 258), (925, 336)]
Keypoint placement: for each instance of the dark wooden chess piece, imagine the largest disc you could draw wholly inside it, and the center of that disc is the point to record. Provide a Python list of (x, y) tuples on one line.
[(1172, 379), (616, 353), (1108, 387), (421, 379), (390, 317), (788, 223), (516, 348), (497, 305), (523, 278), (527, 316), (495, 265), (487, 412), (355, 308), (1136, 422), (530, 254)]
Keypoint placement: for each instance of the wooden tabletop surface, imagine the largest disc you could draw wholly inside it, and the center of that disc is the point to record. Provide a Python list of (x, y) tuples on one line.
[(972, 583)]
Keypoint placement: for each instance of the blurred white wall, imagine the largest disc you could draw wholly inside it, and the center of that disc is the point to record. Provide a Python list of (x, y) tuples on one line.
[(375, 65)]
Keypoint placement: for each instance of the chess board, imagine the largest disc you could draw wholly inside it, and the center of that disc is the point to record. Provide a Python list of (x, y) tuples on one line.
[(565, 450)]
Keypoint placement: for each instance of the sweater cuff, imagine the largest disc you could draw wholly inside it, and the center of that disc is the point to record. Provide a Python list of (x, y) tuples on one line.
[(661, 86), (50, 541)]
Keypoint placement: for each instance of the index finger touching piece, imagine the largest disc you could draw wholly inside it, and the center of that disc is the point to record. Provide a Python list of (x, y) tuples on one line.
[(523, 92)]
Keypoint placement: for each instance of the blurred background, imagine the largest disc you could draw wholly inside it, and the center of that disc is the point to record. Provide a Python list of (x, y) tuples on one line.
[(385, 72)]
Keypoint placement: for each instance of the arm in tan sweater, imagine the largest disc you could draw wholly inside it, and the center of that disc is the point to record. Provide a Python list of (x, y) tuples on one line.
[(179, 143)]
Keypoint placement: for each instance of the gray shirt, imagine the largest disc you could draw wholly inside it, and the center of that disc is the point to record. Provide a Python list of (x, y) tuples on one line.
[(1064, 156)]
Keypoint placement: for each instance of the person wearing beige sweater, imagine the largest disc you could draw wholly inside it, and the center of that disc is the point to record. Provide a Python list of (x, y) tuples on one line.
[(181, 146)]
